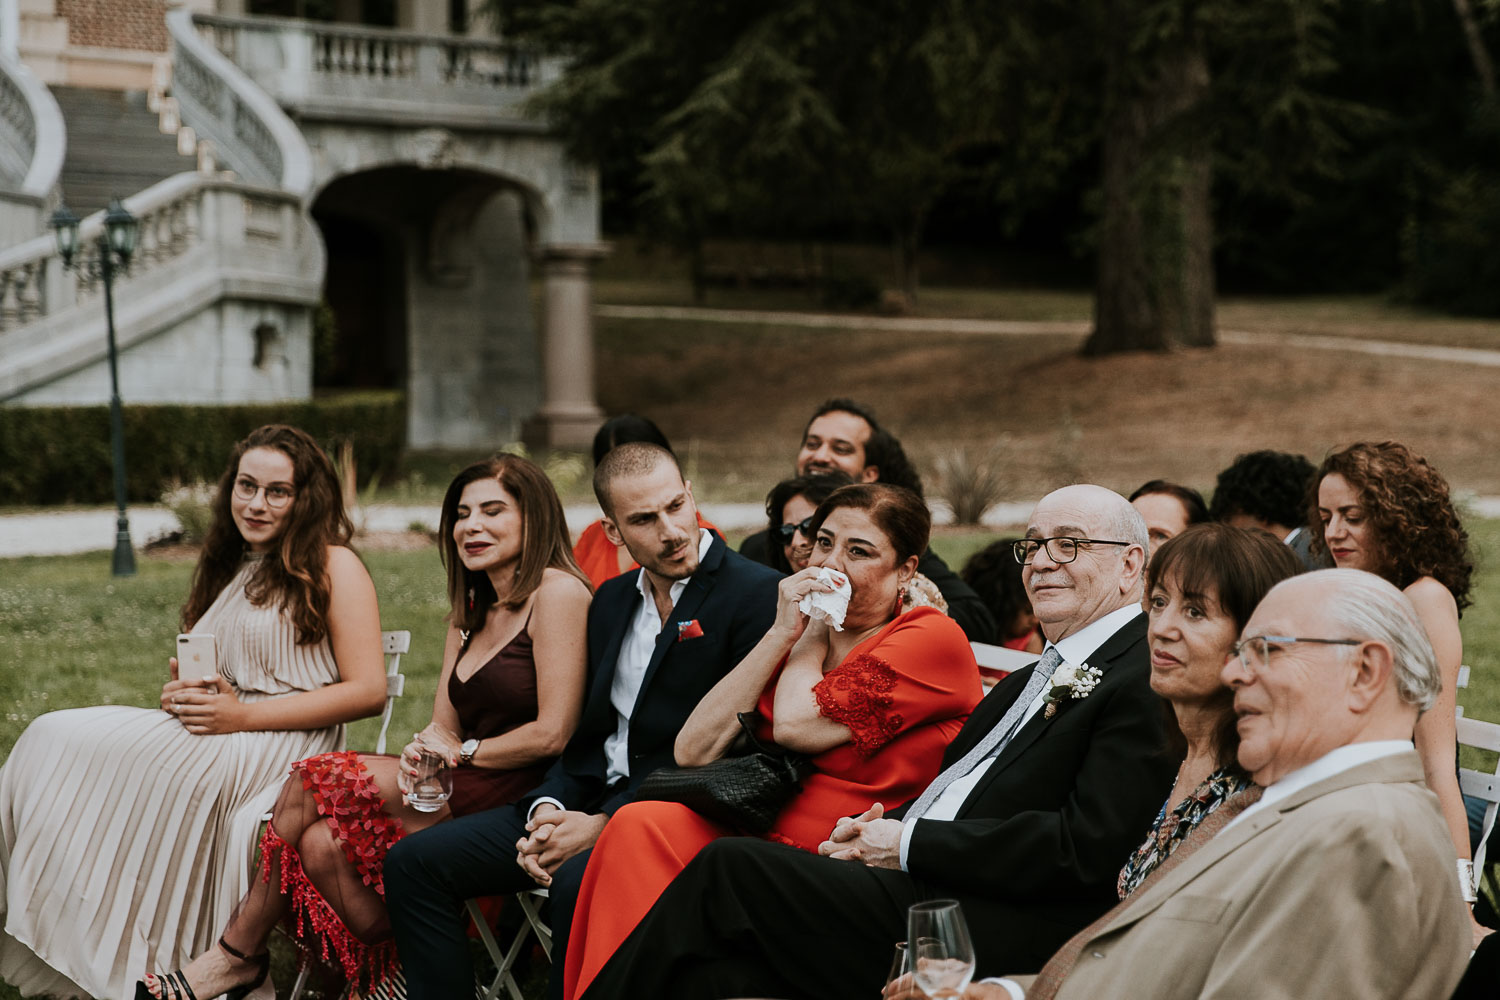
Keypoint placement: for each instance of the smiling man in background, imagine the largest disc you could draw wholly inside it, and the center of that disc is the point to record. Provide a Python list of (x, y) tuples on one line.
[(844, 436)]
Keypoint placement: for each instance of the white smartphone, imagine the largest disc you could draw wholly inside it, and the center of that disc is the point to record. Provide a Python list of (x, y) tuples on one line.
[(197, 656)]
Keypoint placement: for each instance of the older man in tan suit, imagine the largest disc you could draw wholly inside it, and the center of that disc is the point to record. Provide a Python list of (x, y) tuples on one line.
[(1340, 881)]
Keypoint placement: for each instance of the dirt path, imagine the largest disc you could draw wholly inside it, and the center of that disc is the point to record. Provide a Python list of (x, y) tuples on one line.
[(1014, 328)]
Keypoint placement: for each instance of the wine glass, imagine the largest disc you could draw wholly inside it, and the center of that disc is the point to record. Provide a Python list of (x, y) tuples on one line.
[(900, 966), (942, 961)]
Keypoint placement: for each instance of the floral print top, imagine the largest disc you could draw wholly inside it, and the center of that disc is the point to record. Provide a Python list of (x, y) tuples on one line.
[(1172, 828)]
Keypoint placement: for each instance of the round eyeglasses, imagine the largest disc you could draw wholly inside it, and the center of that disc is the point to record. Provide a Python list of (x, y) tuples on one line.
[(1254, 651), (277, 495), (1060, 548)]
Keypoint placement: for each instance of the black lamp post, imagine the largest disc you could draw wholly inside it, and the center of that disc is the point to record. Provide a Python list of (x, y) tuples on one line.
[(118, 240)]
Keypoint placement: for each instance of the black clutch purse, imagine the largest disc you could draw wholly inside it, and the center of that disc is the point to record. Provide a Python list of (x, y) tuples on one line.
[(744, 792)]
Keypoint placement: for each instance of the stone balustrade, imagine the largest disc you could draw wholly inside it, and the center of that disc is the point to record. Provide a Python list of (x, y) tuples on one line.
[(335, 70), (31, 152), (202, 239), (250, 134)]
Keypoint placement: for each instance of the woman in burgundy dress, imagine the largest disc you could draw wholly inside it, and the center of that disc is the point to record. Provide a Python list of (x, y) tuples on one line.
[(508, 698)]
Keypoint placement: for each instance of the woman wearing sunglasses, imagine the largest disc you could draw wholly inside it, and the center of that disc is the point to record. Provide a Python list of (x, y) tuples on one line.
[(790, 506)]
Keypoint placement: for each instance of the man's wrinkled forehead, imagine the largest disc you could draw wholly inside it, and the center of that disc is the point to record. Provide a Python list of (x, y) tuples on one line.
[(1057, 517), (1288, 610)]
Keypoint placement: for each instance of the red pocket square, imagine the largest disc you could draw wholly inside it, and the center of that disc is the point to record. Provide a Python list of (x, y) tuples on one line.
[(688, 630)]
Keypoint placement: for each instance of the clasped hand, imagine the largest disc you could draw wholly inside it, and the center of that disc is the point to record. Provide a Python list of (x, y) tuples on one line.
[(555, 836), (202, 706), (866, 838)]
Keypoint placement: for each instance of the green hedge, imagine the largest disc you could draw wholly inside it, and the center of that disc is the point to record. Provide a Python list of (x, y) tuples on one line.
[(51, 455)]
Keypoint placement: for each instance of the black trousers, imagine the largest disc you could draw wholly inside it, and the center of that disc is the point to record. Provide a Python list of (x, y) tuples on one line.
[(429, 874), (749, 918), (752, 918)]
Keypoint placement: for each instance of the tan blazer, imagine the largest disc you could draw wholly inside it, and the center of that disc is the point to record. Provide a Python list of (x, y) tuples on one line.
[(1345, 889)]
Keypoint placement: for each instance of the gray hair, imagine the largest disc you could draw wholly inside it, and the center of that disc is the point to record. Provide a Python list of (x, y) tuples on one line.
[(1127, 525), (1365, 606)]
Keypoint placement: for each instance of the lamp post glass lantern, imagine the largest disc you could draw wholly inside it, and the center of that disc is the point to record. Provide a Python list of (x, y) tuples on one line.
[(116, 241)]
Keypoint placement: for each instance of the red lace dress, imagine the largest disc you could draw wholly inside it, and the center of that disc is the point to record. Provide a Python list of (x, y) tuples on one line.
[(904, 693), (495, 699)]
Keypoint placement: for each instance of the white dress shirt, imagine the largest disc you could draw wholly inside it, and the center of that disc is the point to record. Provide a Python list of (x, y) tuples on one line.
[(1074, 649), (630, 670)]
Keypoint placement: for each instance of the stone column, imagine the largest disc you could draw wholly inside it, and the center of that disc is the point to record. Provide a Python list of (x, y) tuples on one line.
[(569, 416)]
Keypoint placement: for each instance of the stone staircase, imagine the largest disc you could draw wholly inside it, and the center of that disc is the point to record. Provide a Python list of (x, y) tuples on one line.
[(115, 147)]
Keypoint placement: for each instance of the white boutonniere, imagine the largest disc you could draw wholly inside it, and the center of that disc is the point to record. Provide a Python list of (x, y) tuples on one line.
[(1069, 681)]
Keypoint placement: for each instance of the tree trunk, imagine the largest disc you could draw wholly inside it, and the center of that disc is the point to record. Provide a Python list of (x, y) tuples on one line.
[(1156, 281), (1478, 54), (907, 235)]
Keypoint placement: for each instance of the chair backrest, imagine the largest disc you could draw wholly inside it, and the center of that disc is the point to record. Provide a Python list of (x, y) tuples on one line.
[(393, 644), (1481, 784), (997, 661)]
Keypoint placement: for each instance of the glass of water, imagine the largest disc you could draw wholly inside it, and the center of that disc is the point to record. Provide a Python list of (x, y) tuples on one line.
[(432, 784), (942, 959)]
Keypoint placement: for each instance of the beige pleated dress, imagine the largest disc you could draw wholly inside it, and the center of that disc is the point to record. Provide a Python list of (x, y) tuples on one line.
[(126, 841)]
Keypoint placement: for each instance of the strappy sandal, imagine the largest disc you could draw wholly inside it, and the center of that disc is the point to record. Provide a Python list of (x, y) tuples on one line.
[(174, 985)]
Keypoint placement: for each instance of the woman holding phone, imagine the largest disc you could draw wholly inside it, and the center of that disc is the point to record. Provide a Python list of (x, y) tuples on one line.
[(125, 832), (507, 701)]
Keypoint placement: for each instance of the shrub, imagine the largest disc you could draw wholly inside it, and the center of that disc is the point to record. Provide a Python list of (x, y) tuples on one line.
[(972, 481), (192, 505), (51, 455)]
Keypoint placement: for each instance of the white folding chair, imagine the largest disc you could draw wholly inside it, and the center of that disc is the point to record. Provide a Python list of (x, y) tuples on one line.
[(1481, 784), (997, 661), (394, 644), (531, 905)]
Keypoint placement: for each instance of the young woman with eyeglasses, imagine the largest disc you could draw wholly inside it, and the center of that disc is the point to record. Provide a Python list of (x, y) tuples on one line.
[(125, 833)]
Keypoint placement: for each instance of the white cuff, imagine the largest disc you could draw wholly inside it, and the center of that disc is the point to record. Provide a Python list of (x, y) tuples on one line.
[(906, 832), (544, 800), (1010, 986)]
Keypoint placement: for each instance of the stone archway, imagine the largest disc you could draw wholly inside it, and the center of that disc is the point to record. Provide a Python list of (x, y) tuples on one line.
[(439, 299)]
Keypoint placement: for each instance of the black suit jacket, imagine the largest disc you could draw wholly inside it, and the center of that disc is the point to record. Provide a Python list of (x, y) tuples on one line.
[(964, 605), (734, 602), (1042, 837)]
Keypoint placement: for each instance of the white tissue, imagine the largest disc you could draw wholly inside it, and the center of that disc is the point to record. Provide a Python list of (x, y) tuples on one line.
[(828, 606)]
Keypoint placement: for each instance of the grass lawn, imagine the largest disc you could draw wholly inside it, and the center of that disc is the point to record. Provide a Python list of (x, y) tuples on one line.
[(70, 636)]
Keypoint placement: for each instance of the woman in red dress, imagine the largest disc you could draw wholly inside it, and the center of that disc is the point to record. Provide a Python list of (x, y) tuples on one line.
[(509, 696), (874, 704)]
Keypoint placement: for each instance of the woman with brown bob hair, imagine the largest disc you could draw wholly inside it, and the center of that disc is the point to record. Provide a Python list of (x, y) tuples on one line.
[(508, 699), (160, 805), (1201, 588), (1383, 509), (873, 704)]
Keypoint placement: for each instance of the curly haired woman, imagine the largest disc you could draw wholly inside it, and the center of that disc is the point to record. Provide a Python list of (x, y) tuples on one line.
[(1385, 510)]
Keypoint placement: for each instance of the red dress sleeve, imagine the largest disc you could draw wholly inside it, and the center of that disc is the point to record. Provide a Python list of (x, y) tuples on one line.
[(920, 669)]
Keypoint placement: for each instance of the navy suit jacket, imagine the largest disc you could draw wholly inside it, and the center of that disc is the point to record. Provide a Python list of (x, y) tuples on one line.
[(734, 602)]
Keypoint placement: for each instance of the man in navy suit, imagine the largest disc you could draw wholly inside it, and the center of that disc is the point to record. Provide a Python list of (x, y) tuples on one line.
[(658, 641)]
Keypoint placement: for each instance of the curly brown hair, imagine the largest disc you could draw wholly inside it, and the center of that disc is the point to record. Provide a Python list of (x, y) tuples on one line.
[(294, 575), (1408, 504)]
